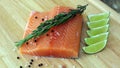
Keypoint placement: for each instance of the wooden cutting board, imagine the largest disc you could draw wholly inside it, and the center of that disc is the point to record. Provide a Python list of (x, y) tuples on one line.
[(13, 18)]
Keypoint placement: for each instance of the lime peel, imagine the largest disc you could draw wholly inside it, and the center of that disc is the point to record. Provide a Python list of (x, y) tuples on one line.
[(100, 16), (99, 23), (94, 48), (96, 38), (98, 33), (98, 30)]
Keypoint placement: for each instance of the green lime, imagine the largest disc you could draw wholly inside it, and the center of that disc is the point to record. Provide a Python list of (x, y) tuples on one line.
[(98, 30), (98, 23), (94, 48), (96, 38), (100, 16)]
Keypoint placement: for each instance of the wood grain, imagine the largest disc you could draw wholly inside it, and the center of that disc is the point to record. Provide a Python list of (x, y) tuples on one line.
[(13, 18)]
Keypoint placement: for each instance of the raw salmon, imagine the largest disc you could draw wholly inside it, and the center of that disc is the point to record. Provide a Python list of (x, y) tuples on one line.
[(60, 41)]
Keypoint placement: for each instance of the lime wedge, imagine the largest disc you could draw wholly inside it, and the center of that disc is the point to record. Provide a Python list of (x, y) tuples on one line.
[(98, 23), (100, 16), (94, 48), (96, 38), (98, 30)]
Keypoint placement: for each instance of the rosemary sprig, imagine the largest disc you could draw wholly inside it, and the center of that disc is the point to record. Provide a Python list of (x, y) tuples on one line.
[(58, 19)]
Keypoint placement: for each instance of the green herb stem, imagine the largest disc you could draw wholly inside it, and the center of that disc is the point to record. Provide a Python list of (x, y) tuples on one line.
[(45, 26)]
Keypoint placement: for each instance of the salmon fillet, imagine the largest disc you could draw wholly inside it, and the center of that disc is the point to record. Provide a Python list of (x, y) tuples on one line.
[(60, 41)]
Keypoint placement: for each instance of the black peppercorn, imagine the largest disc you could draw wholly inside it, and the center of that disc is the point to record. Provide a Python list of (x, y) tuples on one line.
[(21, 67), (40, 64), (27, 43), (47, 34), (42, 19), (32, 60), (18, 57), (35, 40), (52, 30), (29, 66), (36, 17)]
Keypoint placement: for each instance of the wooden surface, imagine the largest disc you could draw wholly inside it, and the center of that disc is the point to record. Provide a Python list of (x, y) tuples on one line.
[(13, 18)]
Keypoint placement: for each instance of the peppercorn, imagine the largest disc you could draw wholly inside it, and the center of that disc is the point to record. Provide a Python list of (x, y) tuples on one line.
[(18, 57), (36, 17), (35, 40), (21, 67), (29, 66), (52, 30), (32, 60), (40, 64), (42, 19), (47, 34), (27, 43)]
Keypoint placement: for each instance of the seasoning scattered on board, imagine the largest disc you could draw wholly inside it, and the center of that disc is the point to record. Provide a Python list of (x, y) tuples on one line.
[(30, 63)]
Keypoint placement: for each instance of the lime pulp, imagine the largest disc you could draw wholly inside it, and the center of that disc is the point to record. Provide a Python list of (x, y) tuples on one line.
[(94, 48)]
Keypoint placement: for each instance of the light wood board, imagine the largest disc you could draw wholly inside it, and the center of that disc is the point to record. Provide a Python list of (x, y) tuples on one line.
[(13, 18)]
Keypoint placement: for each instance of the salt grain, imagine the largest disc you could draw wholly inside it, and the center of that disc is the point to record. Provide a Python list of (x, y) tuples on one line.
[(73, 66), (46, 64), (31, 43), (59, 66), (62, 59), (77, 34), (58, 33), (46, 17), (14, 49), (36, 57), (26, 65)]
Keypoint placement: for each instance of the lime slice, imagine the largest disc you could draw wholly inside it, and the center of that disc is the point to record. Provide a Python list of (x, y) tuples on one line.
[(96, 38), (94, 48), (100, 16), (98, 30), (98, 23)]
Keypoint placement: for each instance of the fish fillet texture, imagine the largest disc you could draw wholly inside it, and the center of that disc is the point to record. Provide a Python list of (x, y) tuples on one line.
[(60, 41)]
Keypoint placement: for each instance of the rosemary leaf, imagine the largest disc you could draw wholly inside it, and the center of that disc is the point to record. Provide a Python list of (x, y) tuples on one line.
[(45, 26)]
